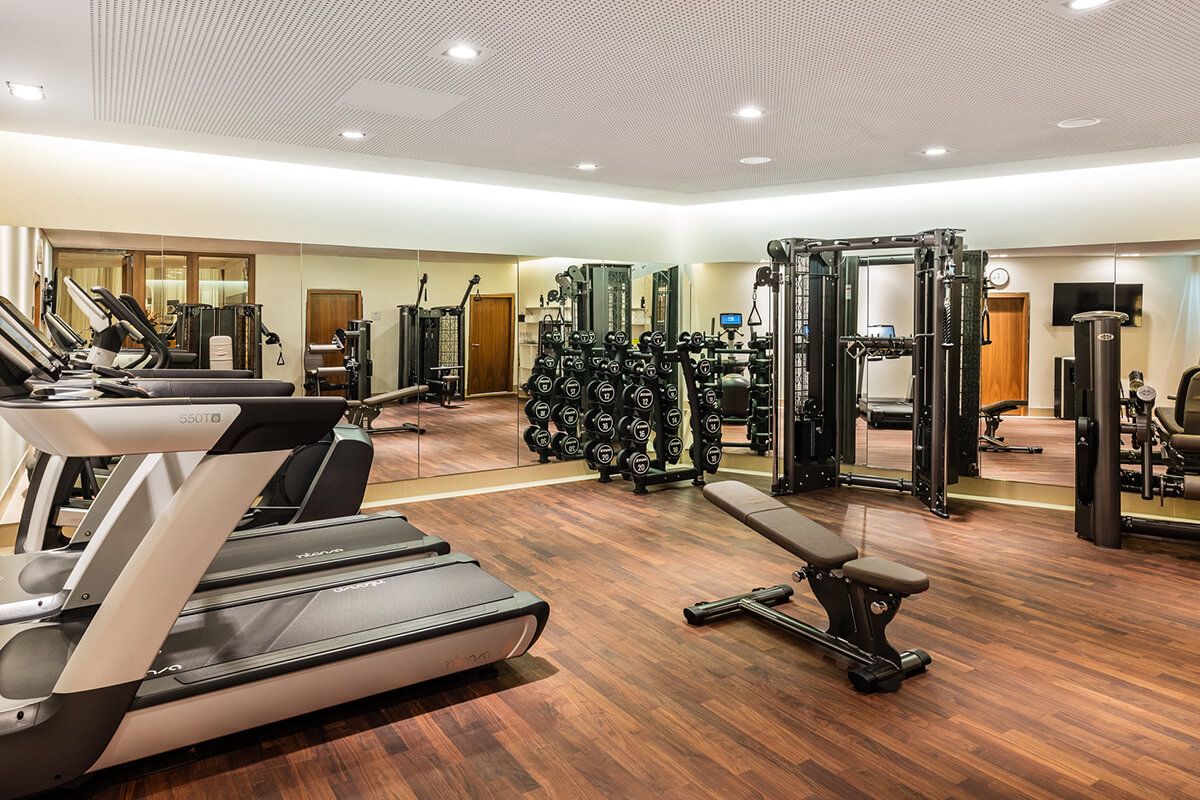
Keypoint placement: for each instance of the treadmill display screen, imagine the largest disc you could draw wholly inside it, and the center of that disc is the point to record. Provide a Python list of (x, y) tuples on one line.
[(881, 331), (731, 320)]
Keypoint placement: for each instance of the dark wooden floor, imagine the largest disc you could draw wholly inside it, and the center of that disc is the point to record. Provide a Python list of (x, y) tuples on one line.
[(1059, 670), (482, 434)]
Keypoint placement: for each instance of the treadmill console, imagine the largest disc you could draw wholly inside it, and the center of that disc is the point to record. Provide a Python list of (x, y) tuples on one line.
[(731, 322)]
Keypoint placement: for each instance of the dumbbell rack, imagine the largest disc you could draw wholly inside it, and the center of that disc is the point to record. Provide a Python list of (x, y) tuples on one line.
[(650, 368), (555, 395), (758, 417)]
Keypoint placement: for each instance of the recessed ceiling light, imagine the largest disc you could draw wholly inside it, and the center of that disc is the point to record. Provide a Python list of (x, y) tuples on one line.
[(1131, 255), (750, 112), (1079, 122), (26, 91), (1086, 5), (998, 255), (586, 166), (753, 160), (463, 52), (935, 151), (353, 135)]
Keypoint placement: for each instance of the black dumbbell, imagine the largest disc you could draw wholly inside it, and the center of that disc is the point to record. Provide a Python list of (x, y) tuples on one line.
[(649, 371), (565, 416), (710, 424), (672, 417), (537, 438), (611, 367), (670, 393), (620, 338), (602, 392), (634, 429), (639, 397), (599, 453), (541, 384), (537, 410), (600, 422), (709, 457), (651, 340), (552, 337), (570, 388), (545, 362), (704, 368), (709, 398), (699, 341), (633, 461), (670, 447), (565, 445)]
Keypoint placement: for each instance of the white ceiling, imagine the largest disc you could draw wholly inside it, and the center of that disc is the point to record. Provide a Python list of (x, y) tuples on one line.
[(645, 88)]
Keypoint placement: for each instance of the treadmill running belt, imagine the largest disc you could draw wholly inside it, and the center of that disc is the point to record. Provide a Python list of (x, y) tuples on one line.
[(268, 626), (301, 543)]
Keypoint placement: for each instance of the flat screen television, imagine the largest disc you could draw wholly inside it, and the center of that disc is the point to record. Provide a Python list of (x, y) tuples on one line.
[(1075, 298)]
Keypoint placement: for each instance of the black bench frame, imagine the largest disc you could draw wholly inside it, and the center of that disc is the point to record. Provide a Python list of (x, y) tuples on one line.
[(858, 616), (990, 441)]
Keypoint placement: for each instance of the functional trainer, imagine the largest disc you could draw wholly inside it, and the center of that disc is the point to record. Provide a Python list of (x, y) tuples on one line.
[(859, 595)]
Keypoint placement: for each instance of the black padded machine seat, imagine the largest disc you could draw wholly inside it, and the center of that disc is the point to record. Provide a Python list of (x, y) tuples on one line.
[(990, 441), (363, 413), (860, 595)]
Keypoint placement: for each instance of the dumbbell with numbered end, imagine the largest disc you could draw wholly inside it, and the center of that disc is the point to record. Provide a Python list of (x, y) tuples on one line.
[(537, 438), (707, 457), (634, 429), (639, 397), (565, 445), (616, 339), (670, 392), (710, 425), (651, 340), (708, 397), (633, 461), (568, 387), (565, 416), (669, 447), (537, 410), (672, 418), (602, 392), (704, 368), (540, 384), (600, 422), (553, 337), (599, 453), (545, 363)]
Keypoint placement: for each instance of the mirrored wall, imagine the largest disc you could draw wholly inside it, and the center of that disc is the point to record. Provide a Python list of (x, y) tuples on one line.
[(434, 348)]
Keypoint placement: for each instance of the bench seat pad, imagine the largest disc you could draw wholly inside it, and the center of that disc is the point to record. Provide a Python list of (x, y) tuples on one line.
[(395, 396), (802, 537), (739, 500), (886, 575)]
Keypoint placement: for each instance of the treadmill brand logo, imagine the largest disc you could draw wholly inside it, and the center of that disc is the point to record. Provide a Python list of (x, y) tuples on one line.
[(1105, 337), (470, 660), (154, 673), (353, 586), (322, 553), (199, 419)]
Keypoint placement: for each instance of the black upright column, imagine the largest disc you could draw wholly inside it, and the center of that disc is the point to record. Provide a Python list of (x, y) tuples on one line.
[(1098, 341)]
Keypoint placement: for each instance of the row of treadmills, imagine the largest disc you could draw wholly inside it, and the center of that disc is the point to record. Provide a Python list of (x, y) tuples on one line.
[(165, 621)]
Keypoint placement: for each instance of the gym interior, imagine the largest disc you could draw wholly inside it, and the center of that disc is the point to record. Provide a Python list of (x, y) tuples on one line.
[(395, 408)]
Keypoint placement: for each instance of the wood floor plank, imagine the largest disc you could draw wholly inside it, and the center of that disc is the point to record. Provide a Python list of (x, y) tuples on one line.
[(1060, 670)]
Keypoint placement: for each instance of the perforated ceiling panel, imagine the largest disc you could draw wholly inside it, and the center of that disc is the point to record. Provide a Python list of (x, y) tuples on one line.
[(646, 89)]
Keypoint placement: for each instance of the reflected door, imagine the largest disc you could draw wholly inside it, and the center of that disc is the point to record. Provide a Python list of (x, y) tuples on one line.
[(1004, 369), (489, 369), (328, 310)]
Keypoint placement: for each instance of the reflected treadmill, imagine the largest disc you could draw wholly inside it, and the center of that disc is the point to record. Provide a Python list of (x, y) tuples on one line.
[(153, 668)]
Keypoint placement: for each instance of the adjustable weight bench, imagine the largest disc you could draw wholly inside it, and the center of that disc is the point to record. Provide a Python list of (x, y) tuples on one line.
[(989, 440), (363, 413), (859, 595)]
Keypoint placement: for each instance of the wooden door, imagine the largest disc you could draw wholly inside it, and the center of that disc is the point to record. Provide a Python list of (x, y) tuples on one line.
[(1004, 371), (328, 310), (490, 362)]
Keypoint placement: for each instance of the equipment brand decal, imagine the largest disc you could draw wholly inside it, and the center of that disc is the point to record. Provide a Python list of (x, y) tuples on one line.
[(322, 553), (154, 673), (363, 585), (462, 662), (199, 419), (1106, 337)]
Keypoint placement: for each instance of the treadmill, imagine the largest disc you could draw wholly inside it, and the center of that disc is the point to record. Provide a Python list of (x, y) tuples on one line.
[(151, 668), (881, 343), (39, 583)]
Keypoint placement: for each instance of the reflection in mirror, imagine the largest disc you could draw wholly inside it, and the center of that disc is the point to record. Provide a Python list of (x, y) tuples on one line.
[(462, 344), (732, 312), (884, 359), (26, 258), (351, 335), (1027, 361)]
